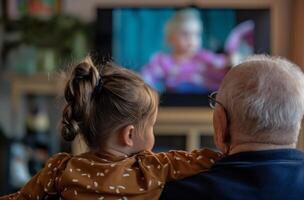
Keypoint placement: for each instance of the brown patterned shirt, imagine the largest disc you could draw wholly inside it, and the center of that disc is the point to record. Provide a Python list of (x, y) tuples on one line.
[(102, 176)]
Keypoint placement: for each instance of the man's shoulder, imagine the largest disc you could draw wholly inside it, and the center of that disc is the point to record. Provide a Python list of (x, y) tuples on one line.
[(244, 173), (188, 188)]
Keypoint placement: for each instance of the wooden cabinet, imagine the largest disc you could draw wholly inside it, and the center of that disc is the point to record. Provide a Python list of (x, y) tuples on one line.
[(38, 84), (189, 122), (47, 88)]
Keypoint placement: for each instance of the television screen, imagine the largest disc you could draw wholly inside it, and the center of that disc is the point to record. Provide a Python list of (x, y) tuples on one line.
[(182, 53)]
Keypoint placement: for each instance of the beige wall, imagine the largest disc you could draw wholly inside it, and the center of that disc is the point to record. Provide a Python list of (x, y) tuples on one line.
[(297, 43), (297, 32)]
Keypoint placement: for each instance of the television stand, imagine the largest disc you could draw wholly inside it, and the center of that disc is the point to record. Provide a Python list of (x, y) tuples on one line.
[(191, 122)]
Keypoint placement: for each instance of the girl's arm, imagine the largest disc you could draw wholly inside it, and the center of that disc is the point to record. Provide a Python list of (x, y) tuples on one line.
[(45, 182), (175, 165)]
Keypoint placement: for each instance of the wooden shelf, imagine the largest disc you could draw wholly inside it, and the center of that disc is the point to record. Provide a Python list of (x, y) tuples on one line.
[(190, 122), (185, 115), (38, 84)]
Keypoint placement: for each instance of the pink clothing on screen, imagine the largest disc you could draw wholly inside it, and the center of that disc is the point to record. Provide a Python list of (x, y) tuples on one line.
[(204, 70)]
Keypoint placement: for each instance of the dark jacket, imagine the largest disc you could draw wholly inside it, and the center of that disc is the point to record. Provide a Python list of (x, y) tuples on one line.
[(269, 174)]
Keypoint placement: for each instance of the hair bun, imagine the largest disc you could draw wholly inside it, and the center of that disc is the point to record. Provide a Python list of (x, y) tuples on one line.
[(69, 130), (86, 71)]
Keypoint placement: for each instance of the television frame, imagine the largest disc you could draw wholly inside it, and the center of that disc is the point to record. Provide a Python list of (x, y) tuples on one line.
[(279, 12)]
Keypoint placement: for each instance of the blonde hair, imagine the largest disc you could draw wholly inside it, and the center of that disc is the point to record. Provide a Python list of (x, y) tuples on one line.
[(101, 100), (179, 18)]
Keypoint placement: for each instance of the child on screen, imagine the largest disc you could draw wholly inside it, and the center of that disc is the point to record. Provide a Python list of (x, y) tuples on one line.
[(188, 68)]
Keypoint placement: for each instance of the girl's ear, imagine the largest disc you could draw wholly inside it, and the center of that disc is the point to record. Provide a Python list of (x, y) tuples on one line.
[(126, 136)]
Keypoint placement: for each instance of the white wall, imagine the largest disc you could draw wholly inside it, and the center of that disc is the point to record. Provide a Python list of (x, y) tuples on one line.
[(83, 9)]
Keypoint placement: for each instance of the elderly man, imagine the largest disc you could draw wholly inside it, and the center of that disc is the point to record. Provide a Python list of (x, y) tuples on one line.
[(257, 116)]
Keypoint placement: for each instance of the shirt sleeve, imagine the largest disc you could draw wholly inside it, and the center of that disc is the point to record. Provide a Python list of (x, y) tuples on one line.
[(44, 183), (153, 73), (174, 165), (215, 61)]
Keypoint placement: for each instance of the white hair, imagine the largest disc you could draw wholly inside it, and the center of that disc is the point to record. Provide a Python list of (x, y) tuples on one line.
[(264, 98), (179, 18)]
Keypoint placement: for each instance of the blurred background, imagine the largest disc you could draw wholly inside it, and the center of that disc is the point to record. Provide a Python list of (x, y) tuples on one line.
[(40, 38)]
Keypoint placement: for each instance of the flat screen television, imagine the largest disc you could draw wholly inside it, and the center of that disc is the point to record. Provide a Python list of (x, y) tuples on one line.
[(136, 38)]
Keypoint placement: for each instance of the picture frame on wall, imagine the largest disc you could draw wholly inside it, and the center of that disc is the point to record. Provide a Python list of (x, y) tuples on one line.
[(38, 8)]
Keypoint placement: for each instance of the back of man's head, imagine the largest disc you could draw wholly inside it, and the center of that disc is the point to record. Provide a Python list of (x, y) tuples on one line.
[(264, 99)]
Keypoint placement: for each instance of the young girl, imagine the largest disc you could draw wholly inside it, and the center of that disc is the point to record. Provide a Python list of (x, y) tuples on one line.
[(114, 111), (188, 67)]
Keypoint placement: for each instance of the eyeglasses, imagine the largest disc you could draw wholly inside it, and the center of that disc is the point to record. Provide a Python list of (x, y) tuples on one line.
[(213, 101)]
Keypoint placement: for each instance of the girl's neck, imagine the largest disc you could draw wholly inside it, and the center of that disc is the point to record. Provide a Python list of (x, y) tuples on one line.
[(115, 152)]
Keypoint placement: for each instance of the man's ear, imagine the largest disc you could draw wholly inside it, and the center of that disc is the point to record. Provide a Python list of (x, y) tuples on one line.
[(126, 135), (221, 129)]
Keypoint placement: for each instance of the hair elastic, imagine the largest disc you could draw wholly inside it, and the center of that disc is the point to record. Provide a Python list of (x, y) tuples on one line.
[(99, 85), (98, 88)]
